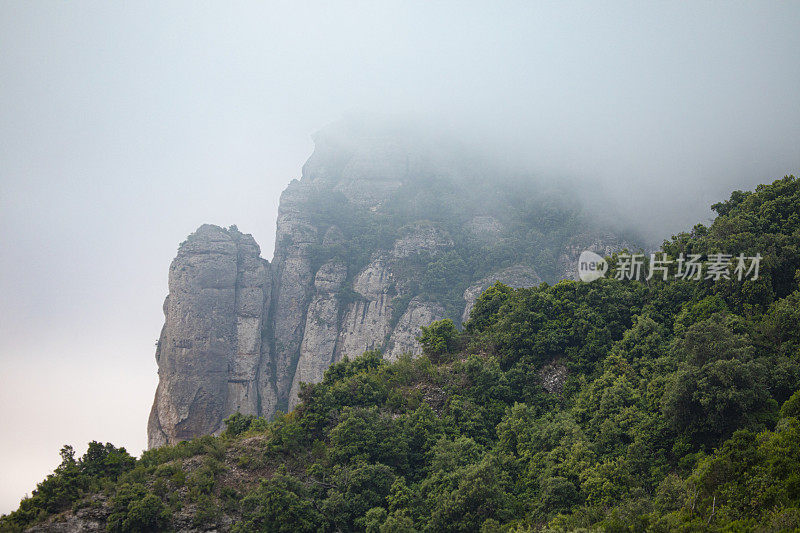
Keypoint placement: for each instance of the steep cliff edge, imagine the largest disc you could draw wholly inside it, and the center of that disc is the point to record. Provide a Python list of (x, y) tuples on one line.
[(211, 360), (382, 234)]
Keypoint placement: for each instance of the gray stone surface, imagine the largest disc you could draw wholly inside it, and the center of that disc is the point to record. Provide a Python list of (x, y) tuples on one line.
[(210, 347), (322, 328), (404, 336), (294, 283), (552, 377), (367, 322)]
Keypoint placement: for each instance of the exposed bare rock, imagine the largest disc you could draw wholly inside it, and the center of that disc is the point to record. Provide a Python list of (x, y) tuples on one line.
[(367, 322), (322, 328), (329, 277), (209, 351), (552, 377), (515, 276), (404, 336), (69, 523), (364, 167), (252, 295), (294, 282)]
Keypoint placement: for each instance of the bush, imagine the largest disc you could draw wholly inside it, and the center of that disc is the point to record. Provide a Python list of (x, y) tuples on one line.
[(439, 338), (280, 504), (134, 510)]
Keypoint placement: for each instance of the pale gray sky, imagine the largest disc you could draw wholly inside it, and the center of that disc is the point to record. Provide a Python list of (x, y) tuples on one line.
[(125, 125)]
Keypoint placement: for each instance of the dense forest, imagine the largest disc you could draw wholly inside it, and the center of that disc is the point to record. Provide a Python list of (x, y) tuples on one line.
[(618, 405)]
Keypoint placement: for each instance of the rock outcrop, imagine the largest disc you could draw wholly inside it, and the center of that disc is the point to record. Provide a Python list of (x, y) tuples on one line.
[(211, 360), (404, 336), (322, 328), (379, 237)]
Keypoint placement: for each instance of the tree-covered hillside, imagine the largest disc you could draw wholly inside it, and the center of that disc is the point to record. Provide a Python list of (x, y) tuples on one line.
[(617, 405)]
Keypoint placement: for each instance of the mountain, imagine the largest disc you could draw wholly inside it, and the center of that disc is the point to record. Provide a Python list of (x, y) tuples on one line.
[(642, 405), (387, 231)]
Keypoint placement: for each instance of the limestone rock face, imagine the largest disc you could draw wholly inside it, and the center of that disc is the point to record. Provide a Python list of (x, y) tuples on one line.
[(322, 328), (404, 337), (367, 321), (210, 347), (294, 283), (380, 237)]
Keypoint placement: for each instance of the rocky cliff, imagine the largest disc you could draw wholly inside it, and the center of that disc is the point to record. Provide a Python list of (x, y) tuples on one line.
[(380, 236), (212, 356)]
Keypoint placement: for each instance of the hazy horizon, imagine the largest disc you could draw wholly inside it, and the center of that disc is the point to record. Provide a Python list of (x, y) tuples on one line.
[(126, 126)]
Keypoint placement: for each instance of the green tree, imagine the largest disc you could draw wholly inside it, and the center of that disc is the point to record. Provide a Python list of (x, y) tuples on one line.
[(438, 339), (279, 504)]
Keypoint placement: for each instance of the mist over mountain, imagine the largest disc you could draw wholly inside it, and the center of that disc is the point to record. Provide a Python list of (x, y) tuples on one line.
[(127, 126), (656, 402), (387, 230)]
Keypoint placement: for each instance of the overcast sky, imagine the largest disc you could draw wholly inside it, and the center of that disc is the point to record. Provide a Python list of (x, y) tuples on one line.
[(125, 125)]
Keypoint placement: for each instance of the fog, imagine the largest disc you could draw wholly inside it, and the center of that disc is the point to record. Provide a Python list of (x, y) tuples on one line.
[(126, 125)]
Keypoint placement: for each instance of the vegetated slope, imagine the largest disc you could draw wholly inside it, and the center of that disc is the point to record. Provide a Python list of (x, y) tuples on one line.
[(384, 233), (613, 405)]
